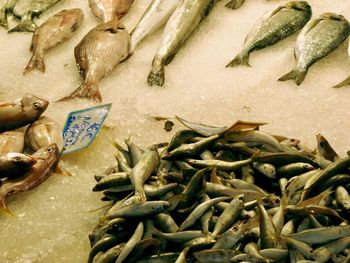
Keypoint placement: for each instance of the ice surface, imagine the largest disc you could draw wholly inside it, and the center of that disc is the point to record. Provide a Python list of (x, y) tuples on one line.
[(52, 224)]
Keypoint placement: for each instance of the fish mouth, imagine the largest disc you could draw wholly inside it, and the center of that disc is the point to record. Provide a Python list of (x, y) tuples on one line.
[(299, 5)]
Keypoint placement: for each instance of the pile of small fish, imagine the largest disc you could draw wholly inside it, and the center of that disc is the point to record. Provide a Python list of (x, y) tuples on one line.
[(42, 143), (234, 194)]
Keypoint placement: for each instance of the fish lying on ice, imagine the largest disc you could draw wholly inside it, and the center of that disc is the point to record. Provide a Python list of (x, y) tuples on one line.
[(108, 10)]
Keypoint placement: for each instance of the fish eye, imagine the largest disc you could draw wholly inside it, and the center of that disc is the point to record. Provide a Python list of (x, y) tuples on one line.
[(36, 105), (50, 150), (17, 159)]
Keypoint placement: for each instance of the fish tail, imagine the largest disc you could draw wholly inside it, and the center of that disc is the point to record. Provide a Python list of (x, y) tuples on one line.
[(345, 82), (85, 91), (35, 63), (234, 4), (297, 75), (240, 59), (26, 25), (156, 77), (3, 206)]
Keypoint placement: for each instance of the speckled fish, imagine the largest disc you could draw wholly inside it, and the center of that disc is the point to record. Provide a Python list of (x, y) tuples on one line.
[(43, 132), (108, 10), (11, 141), (155, 16), (47, 160), (26, 10), (179, 28), (272, 27), (317, 39), (14, 165), (100, 51), (54, 31), (19, 113)]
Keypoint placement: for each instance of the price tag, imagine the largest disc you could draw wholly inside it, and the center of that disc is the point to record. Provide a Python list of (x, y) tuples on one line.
[(82, 127)]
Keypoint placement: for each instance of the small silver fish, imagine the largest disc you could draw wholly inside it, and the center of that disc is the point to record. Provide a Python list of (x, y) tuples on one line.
[(108, 10), (54, 31), (26, 10), (99, 52), (19, 113)]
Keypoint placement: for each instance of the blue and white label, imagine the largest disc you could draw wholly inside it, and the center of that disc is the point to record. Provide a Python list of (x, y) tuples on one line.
[(82, 127)]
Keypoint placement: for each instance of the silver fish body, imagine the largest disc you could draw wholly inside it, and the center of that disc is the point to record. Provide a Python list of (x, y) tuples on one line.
[(99, 52), (180, 26), (108, 10), (26, 10), (43, 132), (52, 32), (155, 16), (19, 113), (317, 39), (11, 141)]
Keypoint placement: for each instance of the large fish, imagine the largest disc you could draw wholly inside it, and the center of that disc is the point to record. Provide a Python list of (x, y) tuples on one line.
[(108, 10), (318, 38), (47, 159), (179, 28), (26, 10), (100, 51), (19, 113), (54, 31), (155, 16), (272, 27), (11, 141)]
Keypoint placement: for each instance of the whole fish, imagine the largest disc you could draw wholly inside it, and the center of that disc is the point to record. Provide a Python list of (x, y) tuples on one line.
[(43, 132), (100, 51), (47, 160), (54, 31), (272, 27), (155, 16), (317, 39), (108, 10), (15, 164), (26, 10), (20, 112), (11, 141), (178, 29)]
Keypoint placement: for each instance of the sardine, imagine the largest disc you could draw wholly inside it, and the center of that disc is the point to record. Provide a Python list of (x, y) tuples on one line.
[(317, 39), (179, 27), (26, 10), (272, 27), (109, 10), (47, 160), (20, 112), (155, 16), (11, 141), (54, 31), (14, 165), (43, 132), (100, 51)]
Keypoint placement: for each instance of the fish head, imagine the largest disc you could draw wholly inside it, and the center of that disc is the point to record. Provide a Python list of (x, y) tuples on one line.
[(299, 5), (333, 16), (19, 161), (48, 154), (33, 106)]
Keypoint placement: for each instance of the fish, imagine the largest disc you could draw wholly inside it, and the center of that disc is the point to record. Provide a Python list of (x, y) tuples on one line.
[(14, 165), (26, 10), (6, 7), (20, 112), (272, 27), (178, 29), (11, 141), (43, 132), (156, 15), (109, 10), (318, 38), (98, 53), (57, 29), (46, 161)]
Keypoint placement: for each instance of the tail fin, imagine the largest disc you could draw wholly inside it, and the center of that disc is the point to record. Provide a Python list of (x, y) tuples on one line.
[(156, 77), (85, 91), (26, 24), (234, 4), (35, 63), (345, 82), (240, 59), (297, 75), (3, 206)]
